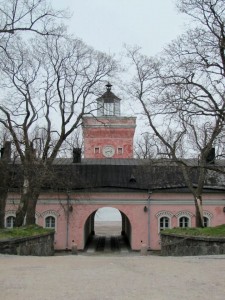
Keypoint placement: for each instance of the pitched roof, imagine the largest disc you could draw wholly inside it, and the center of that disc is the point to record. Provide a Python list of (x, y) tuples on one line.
[(128, 174)]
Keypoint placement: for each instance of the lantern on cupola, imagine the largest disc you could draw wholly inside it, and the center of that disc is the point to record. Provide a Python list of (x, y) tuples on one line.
[(108, 104)]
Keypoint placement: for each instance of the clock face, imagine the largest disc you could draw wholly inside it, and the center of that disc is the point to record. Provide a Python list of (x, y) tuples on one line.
[(108, 151)]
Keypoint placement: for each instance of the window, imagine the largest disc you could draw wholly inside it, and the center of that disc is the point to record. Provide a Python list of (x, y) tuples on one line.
[(120, 150), (184, 222), (206, 221), (108, 109), (10, 222), (97, 150), (50, 222), (164, 223)]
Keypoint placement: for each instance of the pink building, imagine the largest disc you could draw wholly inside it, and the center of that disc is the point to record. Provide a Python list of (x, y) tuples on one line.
[(149, 197)]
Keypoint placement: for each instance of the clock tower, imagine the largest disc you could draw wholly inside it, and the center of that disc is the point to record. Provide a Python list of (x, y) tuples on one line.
[(108, 135)]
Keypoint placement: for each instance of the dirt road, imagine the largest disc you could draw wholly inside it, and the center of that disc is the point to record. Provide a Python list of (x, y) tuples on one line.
[(112, 277)]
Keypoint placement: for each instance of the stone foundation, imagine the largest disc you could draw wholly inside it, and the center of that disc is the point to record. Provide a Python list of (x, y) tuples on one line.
[(41, 245), (176, 245)]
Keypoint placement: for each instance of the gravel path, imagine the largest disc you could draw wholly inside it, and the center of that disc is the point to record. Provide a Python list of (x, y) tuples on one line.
[(84, 277)]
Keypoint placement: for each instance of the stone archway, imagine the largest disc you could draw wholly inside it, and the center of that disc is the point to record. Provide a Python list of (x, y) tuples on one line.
[(106, 238)]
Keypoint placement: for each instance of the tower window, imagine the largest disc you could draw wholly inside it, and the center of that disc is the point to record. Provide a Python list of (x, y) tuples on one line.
[(108, 108), (120, 150), (97, 150)]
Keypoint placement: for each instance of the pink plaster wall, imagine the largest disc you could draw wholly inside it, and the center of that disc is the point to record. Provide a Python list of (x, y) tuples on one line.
[(117, 132), (85, 204)]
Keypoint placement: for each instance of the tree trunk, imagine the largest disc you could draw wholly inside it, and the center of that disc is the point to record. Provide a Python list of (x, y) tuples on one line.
[(30, 219), (199, 212), (3, 197), (22, 209)]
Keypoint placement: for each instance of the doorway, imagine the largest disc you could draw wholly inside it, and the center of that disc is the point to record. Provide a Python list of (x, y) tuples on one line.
[(110, 231)]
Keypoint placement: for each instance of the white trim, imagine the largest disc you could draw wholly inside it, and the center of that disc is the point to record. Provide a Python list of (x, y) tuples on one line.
[(207, 214), (159, 219), (9, 216), (55, 218), (10, 213), (50, 213), (164, 213), (184, 216), (184, 213)]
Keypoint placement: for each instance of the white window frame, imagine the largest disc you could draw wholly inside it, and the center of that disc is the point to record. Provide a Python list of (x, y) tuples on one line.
[(209, 216), (164, 218), (186, 214), (9, 213), (12, 217), (188, 222), (50, 213), (52, 217), (109, 109), (162, 214)]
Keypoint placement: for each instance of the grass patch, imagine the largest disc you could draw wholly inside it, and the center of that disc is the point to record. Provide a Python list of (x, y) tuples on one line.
[(24, 231), (218, 231)]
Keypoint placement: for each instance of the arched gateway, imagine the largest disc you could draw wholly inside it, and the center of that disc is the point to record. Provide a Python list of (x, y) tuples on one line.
[(90, 230)]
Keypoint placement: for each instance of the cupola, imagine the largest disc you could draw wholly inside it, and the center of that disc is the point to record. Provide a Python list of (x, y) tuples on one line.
[(108, 104)]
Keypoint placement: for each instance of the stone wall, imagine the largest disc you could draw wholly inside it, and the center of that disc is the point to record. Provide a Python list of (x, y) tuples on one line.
[(176, 245), (41, 245)]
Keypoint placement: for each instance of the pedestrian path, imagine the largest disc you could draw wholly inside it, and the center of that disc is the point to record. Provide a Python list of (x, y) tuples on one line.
[(107, 244)]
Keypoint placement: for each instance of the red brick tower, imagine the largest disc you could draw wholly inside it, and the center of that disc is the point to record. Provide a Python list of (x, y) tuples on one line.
[(108, 135)]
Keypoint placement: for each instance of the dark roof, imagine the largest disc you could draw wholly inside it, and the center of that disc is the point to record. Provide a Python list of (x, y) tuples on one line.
[(108, 96), (136, 174), (132, 174)]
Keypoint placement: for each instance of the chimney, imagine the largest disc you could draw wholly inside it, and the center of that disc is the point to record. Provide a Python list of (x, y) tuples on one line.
[(76, 155), (211, 156), (6, 151)]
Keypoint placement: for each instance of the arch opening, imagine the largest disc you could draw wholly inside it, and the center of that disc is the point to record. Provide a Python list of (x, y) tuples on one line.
[(108, 222), (107, 230)]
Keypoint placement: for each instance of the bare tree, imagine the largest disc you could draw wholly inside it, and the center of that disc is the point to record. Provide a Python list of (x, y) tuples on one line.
[(28, 15), (5, 173), (182, 92), (145, 147), (47, 88), (7, 170)]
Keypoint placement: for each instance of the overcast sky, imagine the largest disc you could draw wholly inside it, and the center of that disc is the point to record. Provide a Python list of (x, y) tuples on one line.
[(108, 24)]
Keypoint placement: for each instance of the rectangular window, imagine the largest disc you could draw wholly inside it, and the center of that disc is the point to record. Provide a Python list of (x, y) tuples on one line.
[(97, 150), (108, 109), (120, 150)]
